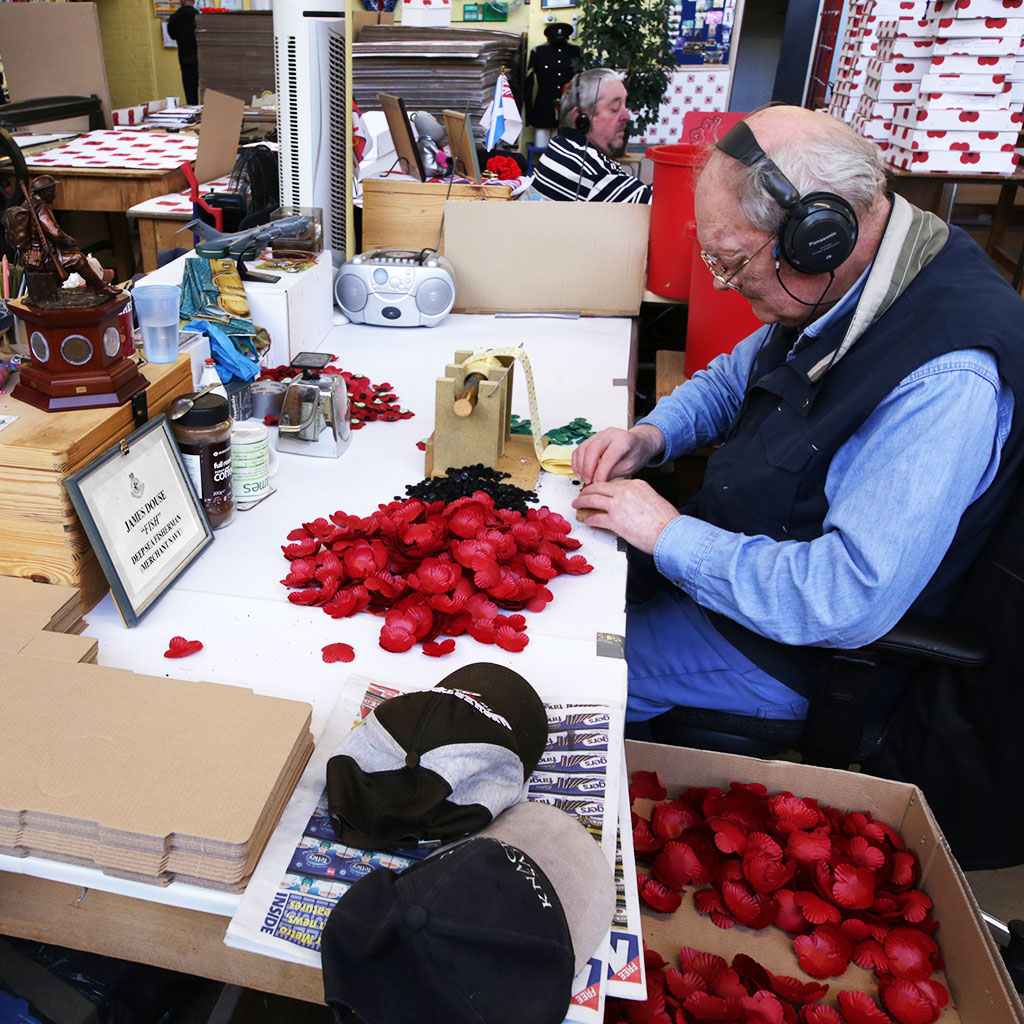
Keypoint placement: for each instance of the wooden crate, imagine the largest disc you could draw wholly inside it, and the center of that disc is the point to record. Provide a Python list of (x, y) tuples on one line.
[(41, 537), (407, 214)]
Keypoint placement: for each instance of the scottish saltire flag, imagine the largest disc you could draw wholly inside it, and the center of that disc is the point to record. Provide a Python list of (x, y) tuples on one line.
[(501, 118)]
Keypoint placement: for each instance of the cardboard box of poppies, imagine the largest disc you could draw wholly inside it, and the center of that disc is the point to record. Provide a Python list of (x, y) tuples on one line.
[(789, 894)]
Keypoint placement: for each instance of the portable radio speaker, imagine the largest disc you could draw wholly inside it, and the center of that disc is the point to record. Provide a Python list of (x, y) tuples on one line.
[(396, 288)]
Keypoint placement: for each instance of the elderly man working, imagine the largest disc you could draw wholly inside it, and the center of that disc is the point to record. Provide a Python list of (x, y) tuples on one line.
[(869, 432), (578, 163)]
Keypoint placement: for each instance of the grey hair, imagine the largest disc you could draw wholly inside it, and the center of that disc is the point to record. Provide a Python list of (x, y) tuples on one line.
[(835, 159), (582, 92)]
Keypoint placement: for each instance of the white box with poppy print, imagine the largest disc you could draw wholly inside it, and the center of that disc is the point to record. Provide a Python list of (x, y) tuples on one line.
[(977, 8), (980, 991), (959, 120), (930, 161)]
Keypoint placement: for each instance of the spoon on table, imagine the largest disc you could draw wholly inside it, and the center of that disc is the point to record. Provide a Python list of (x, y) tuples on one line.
[(183, 403)]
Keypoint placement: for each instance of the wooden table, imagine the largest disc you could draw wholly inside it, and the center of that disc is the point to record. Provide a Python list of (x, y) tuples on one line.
[(937, 193), (112, 192), (118, 918)]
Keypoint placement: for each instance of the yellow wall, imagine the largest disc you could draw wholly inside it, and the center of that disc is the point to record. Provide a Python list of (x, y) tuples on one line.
[(138, 67)]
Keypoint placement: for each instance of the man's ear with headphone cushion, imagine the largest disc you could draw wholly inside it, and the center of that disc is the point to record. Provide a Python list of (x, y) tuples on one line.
[(819, 234), (582, 123)]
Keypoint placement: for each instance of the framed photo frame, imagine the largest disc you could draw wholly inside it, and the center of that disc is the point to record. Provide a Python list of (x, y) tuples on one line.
[(463, 145), (402, 136), (142, 515)]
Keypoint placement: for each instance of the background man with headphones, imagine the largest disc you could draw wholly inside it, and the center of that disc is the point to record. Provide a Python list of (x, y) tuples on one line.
[(579, 163), (868, 438)]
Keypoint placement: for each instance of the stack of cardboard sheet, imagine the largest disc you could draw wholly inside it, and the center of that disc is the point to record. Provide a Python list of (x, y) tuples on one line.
[(433, 69), (146, 778), (43, 622)]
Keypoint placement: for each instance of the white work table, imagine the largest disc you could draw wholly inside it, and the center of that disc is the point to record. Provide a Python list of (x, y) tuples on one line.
[(231, 599)]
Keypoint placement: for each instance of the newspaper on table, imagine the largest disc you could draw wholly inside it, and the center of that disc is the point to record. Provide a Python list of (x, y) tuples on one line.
[(305, 870)]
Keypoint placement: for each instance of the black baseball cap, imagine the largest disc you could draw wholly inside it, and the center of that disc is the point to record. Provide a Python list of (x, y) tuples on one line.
[(437, 764), (490, 930)]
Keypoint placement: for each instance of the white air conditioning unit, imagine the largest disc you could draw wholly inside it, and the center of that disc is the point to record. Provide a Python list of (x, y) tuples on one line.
[(314, 107)]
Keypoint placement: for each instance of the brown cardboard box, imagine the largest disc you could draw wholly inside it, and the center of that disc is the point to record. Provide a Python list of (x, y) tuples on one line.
[(588, 258), (980, 989), (41, 537)]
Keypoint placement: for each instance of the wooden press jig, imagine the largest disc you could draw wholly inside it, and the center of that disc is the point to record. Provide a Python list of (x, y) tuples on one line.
[(472, 417)]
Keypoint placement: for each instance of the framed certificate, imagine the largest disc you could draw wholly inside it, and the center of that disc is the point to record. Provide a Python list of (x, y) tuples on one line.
[(142, 516)]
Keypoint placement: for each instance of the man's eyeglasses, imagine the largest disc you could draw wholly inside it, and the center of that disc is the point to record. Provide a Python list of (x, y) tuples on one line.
[(723, 274)]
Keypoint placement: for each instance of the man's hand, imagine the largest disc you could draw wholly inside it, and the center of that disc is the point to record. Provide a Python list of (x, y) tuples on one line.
[(616, 453), (630, 508)]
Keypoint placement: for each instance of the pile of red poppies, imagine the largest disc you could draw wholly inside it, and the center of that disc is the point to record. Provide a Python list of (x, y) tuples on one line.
[(434, 569), (366, 401), (842, 883)]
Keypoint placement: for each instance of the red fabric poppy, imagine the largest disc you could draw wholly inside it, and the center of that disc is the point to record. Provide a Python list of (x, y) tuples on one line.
[(348, 601), (909, 953), (179, 647), (701, 962), (644, 840), (763, 1008), (795, 991), (301, 548), (824, 953), (853, 887), (338, 652), (510, 640), (819, 1013), (788, 915), (658, 896), (710, 902), (860, 1008), (705, 1007), (906, 1002), (438, 650), (684, 983), (300, 572), (646, 786)]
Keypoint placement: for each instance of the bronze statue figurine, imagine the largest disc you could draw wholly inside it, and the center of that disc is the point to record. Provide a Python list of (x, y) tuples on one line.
[(49, 254)]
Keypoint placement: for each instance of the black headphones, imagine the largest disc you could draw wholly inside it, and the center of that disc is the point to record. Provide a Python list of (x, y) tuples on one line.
[(582, 121), (820, 229)]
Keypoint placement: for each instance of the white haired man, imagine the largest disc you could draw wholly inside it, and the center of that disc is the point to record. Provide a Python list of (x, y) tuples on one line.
[(579, 162), (868, 434)]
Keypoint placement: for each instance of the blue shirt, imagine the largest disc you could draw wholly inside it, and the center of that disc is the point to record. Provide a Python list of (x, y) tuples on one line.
[(896, 491)]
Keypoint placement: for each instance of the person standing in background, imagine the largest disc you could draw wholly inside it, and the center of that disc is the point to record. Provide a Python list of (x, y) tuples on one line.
[(181, 27)]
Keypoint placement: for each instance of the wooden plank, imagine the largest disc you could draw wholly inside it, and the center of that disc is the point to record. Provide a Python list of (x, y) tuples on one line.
[(668, 372), (407, 214), (145, 932)]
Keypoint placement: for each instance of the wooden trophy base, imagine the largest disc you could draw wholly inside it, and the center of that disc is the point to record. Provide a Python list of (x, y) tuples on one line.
[(90, 389), (76, 357)]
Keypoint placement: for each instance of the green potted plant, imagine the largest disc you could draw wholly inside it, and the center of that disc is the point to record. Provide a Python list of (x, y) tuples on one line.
[(631, 35)]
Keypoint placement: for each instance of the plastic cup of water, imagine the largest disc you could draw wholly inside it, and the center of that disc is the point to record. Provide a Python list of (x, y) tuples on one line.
[(156, 306)]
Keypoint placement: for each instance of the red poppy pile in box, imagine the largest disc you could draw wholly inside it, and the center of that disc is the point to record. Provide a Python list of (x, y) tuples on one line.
[(366, 401), (434, 569), (840, 882)]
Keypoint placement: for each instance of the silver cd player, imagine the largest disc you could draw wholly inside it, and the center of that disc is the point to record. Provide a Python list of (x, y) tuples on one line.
[(396, 288)]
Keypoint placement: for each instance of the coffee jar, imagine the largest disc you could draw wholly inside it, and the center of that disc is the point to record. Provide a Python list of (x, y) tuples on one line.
[(204, 440)]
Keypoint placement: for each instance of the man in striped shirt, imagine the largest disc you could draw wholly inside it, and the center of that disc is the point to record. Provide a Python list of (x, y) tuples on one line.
[(579, 163)]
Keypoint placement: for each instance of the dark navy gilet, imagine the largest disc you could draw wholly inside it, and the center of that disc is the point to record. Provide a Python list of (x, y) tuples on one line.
[(769, 477)]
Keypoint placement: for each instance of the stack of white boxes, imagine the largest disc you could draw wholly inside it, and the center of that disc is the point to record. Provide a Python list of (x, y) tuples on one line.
[(893, 75), (968, 114), (860, 45)]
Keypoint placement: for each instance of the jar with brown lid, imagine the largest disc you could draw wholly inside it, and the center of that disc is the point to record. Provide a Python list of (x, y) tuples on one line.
[(204, 439)]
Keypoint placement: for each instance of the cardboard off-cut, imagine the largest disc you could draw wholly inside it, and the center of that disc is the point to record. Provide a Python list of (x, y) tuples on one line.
[(54, 50), (979, 986), (588, 258)]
